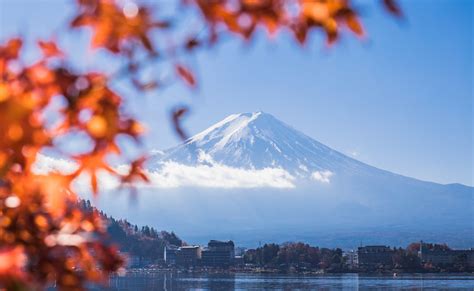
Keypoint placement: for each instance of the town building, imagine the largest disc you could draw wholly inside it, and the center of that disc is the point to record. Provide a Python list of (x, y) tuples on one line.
[(218, 254), (351, 259), (239, 261), (374, 256), (239, 251), (133, 261), (170, 253), (445, 256), (188, 256)]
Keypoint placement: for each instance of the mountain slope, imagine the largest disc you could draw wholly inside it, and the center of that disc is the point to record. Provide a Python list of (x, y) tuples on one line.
[(259, 140), (333, 198)]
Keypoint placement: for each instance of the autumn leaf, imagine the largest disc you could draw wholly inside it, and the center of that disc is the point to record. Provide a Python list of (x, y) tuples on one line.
[(393, 7), (186, 75), (57, 189), (192, 43), (97, 126), (177, 116), (354, 24), (113, 25), (50, 49), (136, 173), (92, 163), (11, 49)]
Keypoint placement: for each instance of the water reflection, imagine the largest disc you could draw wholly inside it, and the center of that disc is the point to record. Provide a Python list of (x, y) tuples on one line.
[(183, 281)]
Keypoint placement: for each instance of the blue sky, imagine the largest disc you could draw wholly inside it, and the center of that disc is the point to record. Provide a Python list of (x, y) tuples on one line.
[(401, 100)]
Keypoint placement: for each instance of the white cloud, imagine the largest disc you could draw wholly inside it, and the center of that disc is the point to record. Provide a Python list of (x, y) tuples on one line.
[(174, 175), (303, 167), (45, 164), (322, 176), (204, 158)]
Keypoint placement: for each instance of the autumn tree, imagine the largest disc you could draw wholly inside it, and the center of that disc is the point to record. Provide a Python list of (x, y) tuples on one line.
[(45, 236)]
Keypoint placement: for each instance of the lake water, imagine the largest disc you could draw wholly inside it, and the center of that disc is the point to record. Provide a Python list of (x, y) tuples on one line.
[(241, 281)]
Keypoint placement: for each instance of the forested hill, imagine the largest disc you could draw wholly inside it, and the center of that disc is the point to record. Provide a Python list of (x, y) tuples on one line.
[(142, 242)]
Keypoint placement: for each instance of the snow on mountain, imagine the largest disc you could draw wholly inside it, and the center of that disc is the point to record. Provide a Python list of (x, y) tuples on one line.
[(257, 141)]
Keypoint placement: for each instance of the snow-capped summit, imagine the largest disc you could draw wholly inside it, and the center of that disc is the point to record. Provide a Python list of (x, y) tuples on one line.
[(258, 140)]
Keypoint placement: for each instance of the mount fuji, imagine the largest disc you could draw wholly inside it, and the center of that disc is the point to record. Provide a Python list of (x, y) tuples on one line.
[(251, 177), (257, 141)]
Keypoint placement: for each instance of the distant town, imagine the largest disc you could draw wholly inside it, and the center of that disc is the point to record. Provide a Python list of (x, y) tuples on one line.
[(301, 257), (148, 248)]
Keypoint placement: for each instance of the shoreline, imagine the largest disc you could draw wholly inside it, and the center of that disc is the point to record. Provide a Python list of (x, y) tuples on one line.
[(152, 270)]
